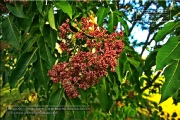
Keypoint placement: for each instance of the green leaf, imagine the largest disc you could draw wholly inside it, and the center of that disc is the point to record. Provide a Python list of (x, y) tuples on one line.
[(168, 28), (50, 37), (124, 24), (51, 18), (105, 100), (16, 10), (10, 32), (26, 22), (63, 58), (41, 72), (22, 87), (120, 14), (133, 62), (149, 63), (77, 103), (101, 14), (176, 97), (23, 62), (39, 4), (113, 21), (172, 80), (150, 60), (65, 7), (45, 53), (116, 89), (119, 69), (28, 45), (169, 51), (55, 101), (61, 114)]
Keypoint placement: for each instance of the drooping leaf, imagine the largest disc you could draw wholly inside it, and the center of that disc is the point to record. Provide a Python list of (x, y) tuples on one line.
[(133, 62), (41, 21), (51, 18), (5, 78), (34, 26), (168, 28), (26, 22), (21, 66), (11, 33), (113, 21), (105, 100), (124, 24), (176, 97), (55, 102), (119, 69), (50, 37), (101, 14), (29, 78), (40, 4), (149, 63), (169, 51), (16, 10), (120, 14), (22, 87), (61, 114), (65, 7), (172, 80), (45, 53), (41, 72), (27, 46), (77, 104), (116, 88), (150, 60)]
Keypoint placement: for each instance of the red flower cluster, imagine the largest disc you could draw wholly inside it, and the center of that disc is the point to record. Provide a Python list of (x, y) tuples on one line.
[(85, 68)]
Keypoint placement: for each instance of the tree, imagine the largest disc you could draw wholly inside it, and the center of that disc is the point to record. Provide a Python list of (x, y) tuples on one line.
[(46, 44)]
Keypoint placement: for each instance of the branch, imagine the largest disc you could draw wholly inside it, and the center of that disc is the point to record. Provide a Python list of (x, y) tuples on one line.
[(144, 11), (146, 43), (151, 82), (151, 30)]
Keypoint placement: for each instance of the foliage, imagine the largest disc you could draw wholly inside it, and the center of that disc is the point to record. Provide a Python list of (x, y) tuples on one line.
[(29, 47)]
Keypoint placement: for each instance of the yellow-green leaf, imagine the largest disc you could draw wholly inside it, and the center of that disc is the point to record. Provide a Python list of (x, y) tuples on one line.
[(51, 18)]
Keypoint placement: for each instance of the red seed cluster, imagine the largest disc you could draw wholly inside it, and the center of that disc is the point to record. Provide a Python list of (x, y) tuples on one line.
[(86, 66)]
